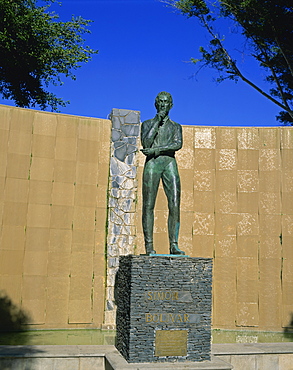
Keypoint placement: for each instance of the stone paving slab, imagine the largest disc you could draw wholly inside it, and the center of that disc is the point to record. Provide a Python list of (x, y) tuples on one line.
[(222, 355), (252, 348), (57, 351)]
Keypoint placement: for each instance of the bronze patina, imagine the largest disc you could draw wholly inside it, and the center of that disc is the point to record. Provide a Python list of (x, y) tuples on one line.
[(161, 138)]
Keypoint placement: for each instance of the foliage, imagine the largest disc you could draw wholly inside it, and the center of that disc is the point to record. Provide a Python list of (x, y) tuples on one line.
[(35, 49), (267, 26)]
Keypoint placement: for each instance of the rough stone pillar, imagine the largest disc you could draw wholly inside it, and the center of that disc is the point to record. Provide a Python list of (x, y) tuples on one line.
[(122, 199)]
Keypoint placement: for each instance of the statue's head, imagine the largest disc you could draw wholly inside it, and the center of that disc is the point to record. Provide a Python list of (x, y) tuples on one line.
[(164, 101)]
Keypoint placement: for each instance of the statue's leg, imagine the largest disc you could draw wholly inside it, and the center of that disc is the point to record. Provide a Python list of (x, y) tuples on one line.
[(150, 183), (172, 188)]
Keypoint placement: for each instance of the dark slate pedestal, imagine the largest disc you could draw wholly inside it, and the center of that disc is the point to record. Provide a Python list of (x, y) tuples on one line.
[(164, 308)]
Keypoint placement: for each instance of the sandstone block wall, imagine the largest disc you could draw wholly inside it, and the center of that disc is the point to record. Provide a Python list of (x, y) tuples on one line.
[(53, 211), (56, 202), (237, 207)]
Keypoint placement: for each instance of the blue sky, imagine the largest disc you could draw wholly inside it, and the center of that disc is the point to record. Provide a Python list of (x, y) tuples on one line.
[(144, 48)]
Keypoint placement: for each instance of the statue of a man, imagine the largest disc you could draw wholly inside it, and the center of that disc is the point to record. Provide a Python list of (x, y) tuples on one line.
[(160, 139)]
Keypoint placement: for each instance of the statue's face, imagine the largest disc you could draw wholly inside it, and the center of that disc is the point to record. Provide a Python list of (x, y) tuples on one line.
[(163, 104)]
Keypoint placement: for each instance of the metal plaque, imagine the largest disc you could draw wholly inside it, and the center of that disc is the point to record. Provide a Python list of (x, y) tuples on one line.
[(171, 343)]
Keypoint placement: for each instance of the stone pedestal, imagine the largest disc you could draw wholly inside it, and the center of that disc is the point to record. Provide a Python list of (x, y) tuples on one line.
[(164, 308)]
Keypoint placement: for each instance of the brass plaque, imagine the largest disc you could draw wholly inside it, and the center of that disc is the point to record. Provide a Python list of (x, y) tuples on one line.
[(171, 343)]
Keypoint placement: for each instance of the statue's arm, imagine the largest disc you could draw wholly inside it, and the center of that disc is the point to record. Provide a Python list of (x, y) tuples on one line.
[(149, 129), (174, 144)]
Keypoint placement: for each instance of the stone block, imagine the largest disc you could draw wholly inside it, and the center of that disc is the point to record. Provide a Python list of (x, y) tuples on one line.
[(86, 195), (34, 288), (247, 246), (248, 138), (63, 194), (204, 224), (226, 181), (66, 148), (164, 308), (84, 218), (80, 287), (37, 239), (225, 224), (13, 238), (204, 180), (90, 129), (226, 201), (80, 311), (205, 138), (226, 138), (203, 246), (225, 246), (57, 311), (64, 170), (226, 159), (247, 224), (247, 159), (60, 240), (19, 142), (247, 266), (42, 169), (11, 262), (58, 288), (204, 159), (40, 192), (11, 286), (87, 151), (35, 263), (203, 201), (67, 126), (59, 263), (14, 214), (287, 225), (287, 159), (224, 303), (225, 269), (35, 310), (247, 314), (270, 203), (269, 137), (247, 291), (18, 166), (5, 114), (45, 124), (247, 181), (82, 263), (22, 120), (248, 202), (38, 215), (61, 217), (43, 146), (87, 173)]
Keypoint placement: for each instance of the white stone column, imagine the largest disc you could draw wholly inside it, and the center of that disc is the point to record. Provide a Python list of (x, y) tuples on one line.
[(122, 193)]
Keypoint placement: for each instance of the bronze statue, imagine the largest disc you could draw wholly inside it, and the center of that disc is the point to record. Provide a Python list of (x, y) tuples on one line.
[(161, 138)]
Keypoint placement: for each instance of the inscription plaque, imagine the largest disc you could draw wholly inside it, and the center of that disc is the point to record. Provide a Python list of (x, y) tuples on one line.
[(171, 343)]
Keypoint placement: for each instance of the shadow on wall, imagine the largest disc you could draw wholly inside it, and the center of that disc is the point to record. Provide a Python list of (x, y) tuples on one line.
[(288, 330), (12, 322)]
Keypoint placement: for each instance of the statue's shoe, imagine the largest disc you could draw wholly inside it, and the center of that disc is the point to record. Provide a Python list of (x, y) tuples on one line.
[(175, 250), (151, 252), (149, 249)]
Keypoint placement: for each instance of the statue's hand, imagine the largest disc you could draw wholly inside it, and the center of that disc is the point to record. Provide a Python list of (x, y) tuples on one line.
[(148, 151), (161, 115)]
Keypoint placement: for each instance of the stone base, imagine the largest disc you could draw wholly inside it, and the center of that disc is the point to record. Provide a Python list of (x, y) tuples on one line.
[(164, 308)]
